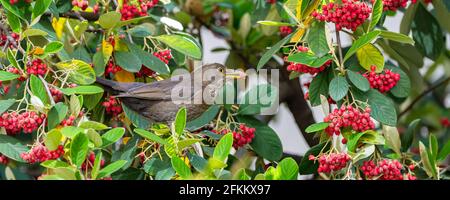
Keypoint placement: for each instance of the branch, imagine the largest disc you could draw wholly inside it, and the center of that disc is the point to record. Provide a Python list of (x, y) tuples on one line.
[(89, 16), (424, 93), (10, 39)]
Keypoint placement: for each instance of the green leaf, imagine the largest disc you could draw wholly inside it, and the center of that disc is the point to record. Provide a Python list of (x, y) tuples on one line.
[(186, 143), (360, 42), (445, 151), (111, 168), (142, 30), (53, 47), (358, 81), (5, 104), (94, 137), (56, 114), (112, 136), (79, 71), (12, 148), (316, 127), (403, 86), (149, 60), (33, 32), (308, 58), (398, 37), (405, 24), (427, 33), (94, 125), (54, 164), (204, 119), (287, 169), (97, 165), (352, 141), (308, 166), (317, 39), (266, 142), (258, 99), (151, 136), (137, 119), (180, 121), (272, 51), (12, 8), (14, 22), (128, 61), (71, 131), (377, 10), (338, 88), (7, 76), (383, 110), (272, 23), (99, 63), (392, 138), (181, 44), (434, 148), (83, 89), (181, 168), (428, 167), (109, 19), (53, 139), (38, 89), (39, 8), (368, 56), (408, 137), (79, 149), (223, 147), (319, 86), (241, 175), (12, 58)]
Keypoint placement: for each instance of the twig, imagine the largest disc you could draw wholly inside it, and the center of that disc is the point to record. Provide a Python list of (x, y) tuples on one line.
[(11, 39), (341, 64), (410, 106)]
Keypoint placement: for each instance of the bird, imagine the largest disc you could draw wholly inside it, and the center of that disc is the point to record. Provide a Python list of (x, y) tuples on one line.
[(160, 101)]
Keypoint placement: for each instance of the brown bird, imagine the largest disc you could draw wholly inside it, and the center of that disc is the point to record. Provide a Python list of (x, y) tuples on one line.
[(160, 101)]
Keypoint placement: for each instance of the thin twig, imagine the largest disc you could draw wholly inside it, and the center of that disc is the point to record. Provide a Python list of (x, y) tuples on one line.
[(424, 93), (341, 64)]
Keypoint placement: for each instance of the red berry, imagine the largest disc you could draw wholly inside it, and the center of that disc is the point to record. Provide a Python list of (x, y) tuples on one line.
[(350, 14), (4, 160), (112, 106), (332, 162), (40, 153), (385, 170), (384, 81), (347, 116)]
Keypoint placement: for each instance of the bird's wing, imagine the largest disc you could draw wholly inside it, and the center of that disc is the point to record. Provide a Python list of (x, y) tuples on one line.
[(159, 90)]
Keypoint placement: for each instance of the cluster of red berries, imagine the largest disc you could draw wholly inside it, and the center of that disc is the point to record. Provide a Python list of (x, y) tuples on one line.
[(69, 121), (40, 153), (301, 68), (350, 14), (57, 95), (4, 160), (89, 163), (27, 121), (445, 122), (285, 30), (112, 68), (4, 38), (164, 55), (83, 4), (348, 116), (112, 106), (385, 170), (242, 137), (130, 11), (145, 72), (12, 2), (393, 5), (331, 162), (18, 72), (383, 81), (37, 67)]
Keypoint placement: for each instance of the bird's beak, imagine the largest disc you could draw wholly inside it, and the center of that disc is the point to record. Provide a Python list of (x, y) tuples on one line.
[(235, 74)]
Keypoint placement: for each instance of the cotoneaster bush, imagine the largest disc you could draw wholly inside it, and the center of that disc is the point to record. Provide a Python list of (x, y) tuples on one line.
[(376, 125)]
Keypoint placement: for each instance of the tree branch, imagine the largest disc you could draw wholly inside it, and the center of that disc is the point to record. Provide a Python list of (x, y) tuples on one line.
[(89, 16), (424, 93)]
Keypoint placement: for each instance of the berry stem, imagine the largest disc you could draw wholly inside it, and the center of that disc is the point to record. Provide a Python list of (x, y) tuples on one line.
[(341, 64)]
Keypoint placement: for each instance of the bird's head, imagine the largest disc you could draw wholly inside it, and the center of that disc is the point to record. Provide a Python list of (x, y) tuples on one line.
[(216, 71)]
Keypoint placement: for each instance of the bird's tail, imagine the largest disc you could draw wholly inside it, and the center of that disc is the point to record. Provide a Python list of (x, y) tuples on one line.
[(115, 87)]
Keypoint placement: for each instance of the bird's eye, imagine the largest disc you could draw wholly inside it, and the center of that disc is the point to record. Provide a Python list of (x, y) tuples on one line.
[(221, 69)]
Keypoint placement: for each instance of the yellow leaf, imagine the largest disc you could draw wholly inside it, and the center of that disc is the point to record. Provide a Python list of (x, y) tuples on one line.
[(58, 26), (298, 35), (119, 44), (369, 55), (298, 10), (107, 49), (312, 7), (186, 161), (124, 76), (37, 51), (125, 140)]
